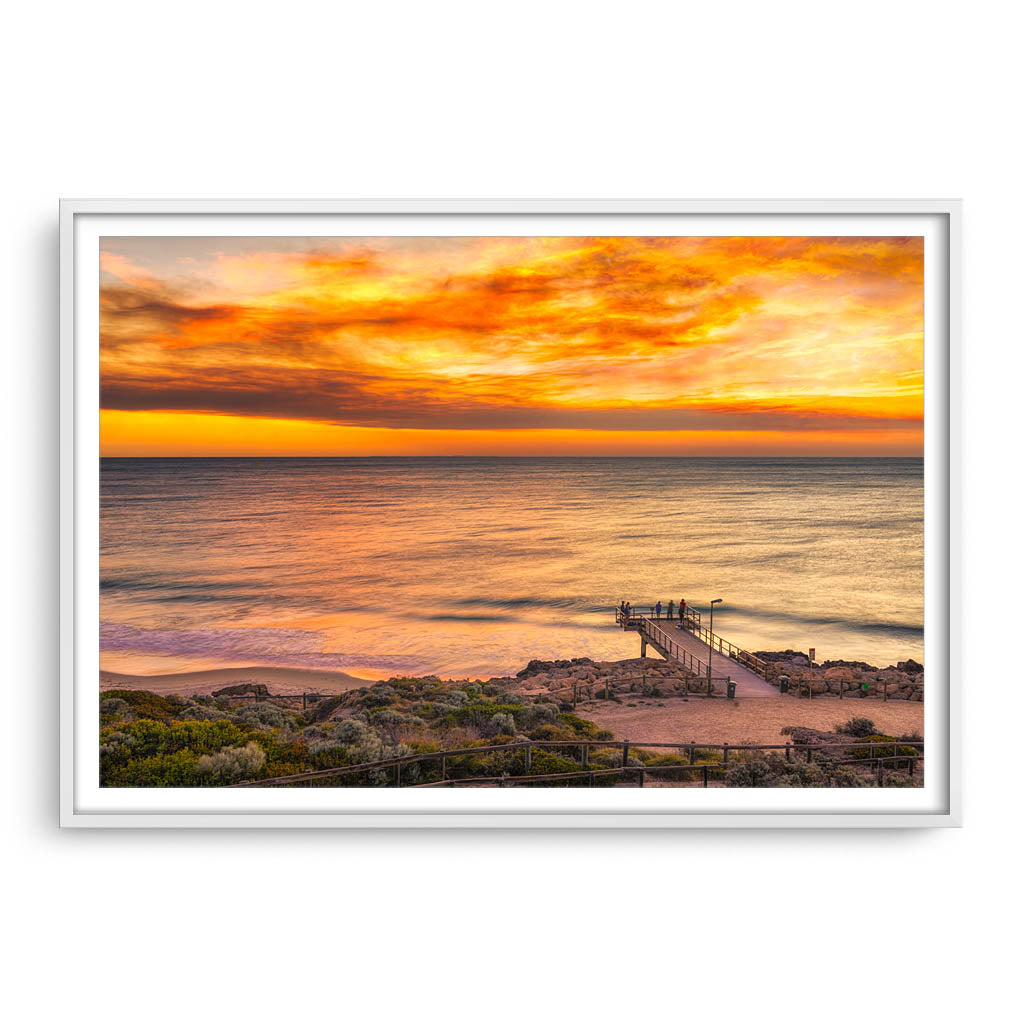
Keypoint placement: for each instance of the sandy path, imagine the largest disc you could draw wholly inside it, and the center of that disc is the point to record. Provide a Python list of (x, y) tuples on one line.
[(755, 721), (278, 680)]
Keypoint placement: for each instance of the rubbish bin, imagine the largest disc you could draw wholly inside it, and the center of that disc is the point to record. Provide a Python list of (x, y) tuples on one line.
[(783, 684), (730, 689)]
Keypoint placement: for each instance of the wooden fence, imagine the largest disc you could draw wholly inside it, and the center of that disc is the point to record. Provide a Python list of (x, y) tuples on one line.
[(690, 751)]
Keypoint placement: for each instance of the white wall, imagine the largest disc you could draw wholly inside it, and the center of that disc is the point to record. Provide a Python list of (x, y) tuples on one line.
[(528, 99)]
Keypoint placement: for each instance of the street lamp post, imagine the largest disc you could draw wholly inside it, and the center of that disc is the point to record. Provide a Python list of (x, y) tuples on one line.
[(711, 639)]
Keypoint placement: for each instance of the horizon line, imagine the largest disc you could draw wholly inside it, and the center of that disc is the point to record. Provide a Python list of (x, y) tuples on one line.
[(457, 455)]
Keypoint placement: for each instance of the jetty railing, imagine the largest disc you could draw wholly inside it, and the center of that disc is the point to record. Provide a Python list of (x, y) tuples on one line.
[(656, 634), (689, 751), (690, 620), (662, 638), (715, 642)]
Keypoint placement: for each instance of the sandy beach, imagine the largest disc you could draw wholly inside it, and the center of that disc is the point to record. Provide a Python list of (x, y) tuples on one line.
[(746, 721), (279, 680)]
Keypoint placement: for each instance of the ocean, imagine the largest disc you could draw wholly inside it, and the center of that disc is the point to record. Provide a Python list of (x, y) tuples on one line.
[(472, 566)]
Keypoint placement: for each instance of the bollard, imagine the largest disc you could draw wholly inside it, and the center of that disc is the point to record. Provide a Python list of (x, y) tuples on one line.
[(789, 751)]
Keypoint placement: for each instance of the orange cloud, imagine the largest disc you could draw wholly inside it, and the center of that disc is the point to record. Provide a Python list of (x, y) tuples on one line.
[(774, 337)]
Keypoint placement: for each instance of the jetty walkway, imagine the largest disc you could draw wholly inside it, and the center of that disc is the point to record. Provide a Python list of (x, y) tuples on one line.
[(687, 643)]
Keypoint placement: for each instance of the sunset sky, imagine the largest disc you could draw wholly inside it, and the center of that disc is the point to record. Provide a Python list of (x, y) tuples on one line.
[(511, 346)]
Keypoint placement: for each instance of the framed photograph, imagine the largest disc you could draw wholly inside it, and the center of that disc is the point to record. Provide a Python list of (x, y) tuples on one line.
[(509, 514)]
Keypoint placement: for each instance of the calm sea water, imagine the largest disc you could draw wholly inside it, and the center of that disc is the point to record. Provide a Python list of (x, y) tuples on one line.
[(472, 566)]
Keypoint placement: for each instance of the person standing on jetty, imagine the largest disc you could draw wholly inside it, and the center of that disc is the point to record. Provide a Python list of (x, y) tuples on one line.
[(671, 607), (657, 610), (682, 608)]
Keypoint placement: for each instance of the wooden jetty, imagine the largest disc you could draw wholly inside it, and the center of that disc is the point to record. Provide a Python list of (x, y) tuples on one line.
[(687, 643)]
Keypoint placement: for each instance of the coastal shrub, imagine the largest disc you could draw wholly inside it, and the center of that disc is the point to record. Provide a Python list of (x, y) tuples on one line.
[(857, 727), (479, 713), (321, 746), (774, 772), (352, 730), (664, 760), (550, 731), (264, 715), (847, 778), (389, 718), (503, 723), (203, 712), (378, 697), (143, 704), (231, 764), (543, 762), (114, 707), (322, 711), (178, 769), (580, 726), (885, 746)]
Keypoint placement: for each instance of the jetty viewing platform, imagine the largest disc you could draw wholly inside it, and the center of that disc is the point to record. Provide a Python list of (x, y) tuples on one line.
[(689, 644)]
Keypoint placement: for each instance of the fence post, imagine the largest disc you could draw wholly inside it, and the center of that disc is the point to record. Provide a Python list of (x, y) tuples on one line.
[(693, 752), (444, 765), (625, 752), (642, 774), (705, 768), (585, 754), (398, 774), (789, 751), (725, 753), (808, 754), (529, 758)]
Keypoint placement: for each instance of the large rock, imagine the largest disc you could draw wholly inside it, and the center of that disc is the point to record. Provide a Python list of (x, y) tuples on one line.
[(840, 663), (242, 690), (911, 667), (839, 672), (536, 666)]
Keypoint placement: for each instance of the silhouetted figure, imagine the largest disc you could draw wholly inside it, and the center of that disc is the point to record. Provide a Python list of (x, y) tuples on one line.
[(657, 610), (671, 609)]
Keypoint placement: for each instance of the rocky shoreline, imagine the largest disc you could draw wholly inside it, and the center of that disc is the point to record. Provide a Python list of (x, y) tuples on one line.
[(586, 679), (902, 681)]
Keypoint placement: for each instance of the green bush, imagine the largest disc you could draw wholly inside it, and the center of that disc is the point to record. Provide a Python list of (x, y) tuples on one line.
[(232, 764), (885, 746), (857, 727), (143, 704)]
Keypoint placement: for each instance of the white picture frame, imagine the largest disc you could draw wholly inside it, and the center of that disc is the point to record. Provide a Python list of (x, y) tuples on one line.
[(83, 805)]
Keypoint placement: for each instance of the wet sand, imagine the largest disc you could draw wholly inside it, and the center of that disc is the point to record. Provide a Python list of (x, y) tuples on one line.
[(277, 680)]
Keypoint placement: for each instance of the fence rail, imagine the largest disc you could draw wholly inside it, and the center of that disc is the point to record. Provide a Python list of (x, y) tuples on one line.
[(690, 750)]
